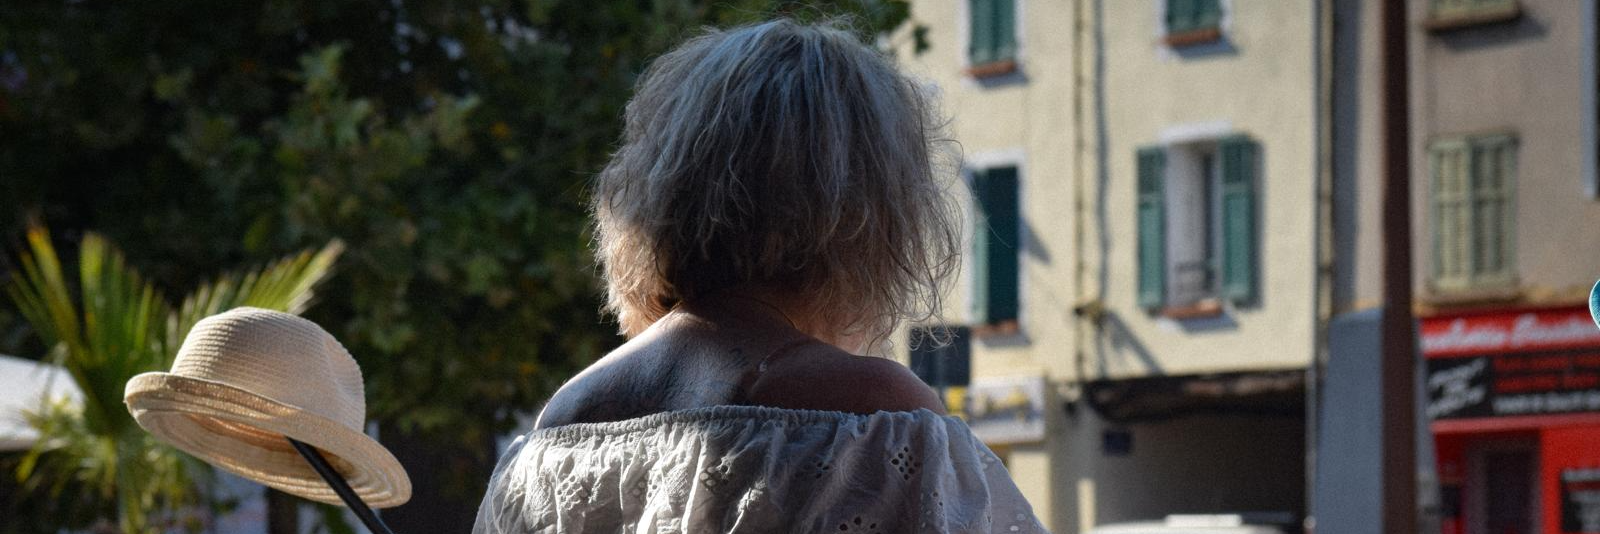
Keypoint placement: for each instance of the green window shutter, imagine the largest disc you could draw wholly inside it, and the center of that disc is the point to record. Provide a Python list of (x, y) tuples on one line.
[(1207, 14), (1190, 15), (1473, 180), (997, 238), (1494, 171), (1238, 162), (1178, 14), (1450, 164), (1005, 29), (981, 239), (980, 40), (1152, 165)]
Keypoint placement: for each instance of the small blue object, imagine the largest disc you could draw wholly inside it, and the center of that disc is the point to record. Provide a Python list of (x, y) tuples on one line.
[(1594, 303)]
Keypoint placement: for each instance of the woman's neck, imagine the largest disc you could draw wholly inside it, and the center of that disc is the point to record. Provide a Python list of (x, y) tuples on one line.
[(757, 308)]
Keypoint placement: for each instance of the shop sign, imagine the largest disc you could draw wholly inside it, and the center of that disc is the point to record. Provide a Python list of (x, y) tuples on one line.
[(1580, 501), (1501, 333), (1512, 364), (1006, 409)]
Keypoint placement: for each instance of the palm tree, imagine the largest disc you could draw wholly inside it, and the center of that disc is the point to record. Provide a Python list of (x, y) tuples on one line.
[(95, 456)]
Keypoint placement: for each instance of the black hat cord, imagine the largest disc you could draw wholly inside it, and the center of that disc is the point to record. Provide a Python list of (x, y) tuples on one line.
[(341, 487)]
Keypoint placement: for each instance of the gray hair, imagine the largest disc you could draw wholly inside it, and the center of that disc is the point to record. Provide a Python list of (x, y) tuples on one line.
[(785, 155)]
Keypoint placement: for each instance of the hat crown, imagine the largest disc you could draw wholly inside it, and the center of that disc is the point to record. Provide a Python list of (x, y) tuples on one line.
[(279, 356)]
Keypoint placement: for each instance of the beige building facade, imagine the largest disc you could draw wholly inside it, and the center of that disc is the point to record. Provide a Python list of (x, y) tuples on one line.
[(1171, 200), (1157, 169), (1504, 213)]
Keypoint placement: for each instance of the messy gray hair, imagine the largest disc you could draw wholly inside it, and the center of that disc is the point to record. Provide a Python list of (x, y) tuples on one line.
[(785, 155)]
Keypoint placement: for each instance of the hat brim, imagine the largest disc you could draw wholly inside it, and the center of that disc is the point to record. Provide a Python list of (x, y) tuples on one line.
[(243, 433)]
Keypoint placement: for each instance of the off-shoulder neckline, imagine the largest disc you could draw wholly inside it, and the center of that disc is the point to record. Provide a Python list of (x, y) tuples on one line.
[(797, 416)]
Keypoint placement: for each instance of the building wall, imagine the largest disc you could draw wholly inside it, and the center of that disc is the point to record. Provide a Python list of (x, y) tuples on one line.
[(1261, 81), (1533, 77), (1094, 84), (1023, 119), (1248, 464), (1357, 152)]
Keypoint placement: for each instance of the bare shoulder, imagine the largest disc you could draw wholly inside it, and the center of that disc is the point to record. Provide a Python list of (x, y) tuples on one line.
[(818, 376), (597, 394)]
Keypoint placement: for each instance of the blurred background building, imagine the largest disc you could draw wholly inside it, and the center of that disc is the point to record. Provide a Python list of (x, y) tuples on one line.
[(1172, 200)]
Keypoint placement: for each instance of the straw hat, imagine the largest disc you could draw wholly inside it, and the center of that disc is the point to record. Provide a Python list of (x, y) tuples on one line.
[(245, 379)]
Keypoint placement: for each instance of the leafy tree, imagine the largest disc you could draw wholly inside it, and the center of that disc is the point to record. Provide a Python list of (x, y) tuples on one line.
[(109, 326), (447, 143)]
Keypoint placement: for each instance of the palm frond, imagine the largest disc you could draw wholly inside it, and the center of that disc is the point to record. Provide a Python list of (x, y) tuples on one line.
[(122, 317), (41, 292), (286, 285), (116, 327), (108, 335)]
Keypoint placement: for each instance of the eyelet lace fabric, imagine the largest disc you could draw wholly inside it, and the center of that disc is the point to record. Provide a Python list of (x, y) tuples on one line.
[(754, 469)]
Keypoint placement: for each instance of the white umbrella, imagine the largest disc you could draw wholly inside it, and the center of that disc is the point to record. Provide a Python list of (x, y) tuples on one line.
[(25, 385)]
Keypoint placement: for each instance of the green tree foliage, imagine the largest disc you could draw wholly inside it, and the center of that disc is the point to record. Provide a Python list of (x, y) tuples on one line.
[(447, 143), (105, 327)]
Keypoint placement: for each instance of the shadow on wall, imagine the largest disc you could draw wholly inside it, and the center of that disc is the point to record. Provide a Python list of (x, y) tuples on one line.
[(1116, 339), (1031, 245), (1222, 47), (1492, 35)]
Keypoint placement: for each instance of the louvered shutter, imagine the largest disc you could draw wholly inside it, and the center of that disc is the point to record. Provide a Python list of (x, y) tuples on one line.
[(1450, 161), (1238, 160), (980, 42), (1191, 15), (1207, 14), (980, 246), (1004, 39), (1494, 167), (1179, 14), (997, 236), (1152, 164)]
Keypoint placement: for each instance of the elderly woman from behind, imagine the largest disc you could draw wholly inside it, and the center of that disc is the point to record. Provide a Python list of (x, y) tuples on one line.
[(772, 213)]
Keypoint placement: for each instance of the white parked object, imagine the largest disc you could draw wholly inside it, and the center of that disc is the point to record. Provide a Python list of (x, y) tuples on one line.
[(26, 386)]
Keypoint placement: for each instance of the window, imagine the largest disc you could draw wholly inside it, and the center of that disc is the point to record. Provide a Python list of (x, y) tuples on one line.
[(1196, 226), (992, 44), (994, 259), (1449, 14), (1473, 182), (1193, 21)]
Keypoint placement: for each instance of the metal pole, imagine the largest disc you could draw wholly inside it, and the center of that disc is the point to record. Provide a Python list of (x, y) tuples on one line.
[(337, 482), (1399, 345)]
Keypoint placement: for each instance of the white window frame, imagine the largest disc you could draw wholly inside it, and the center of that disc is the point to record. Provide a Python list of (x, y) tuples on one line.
[(1473, 281), (1172, 140), (1224, 25), (989, 159), (1184, 173), (964, 36)]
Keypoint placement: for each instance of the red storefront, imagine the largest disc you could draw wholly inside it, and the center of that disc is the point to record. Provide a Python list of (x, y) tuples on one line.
[(1514, 399)]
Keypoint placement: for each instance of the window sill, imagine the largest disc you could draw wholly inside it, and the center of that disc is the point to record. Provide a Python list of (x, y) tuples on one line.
[(993, 69), (997, 329), (1467, 297), (1204, 309), (1197, 36), (1453, 21)]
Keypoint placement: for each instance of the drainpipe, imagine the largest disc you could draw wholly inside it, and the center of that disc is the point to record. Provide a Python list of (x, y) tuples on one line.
[(1326, 250)]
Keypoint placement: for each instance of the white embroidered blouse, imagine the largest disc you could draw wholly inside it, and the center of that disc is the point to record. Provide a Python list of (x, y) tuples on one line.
[(754, 469)]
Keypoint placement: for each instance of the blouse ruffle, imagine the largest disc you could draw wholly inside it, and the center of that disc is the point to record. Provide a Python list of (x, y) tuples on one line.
[(754, 469)]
